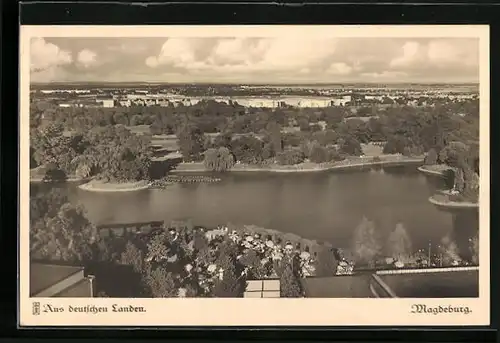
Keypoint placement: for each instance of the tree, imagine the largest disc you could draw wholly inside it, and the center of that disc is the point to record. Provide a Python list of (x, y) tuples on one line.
[(350, 146), (399, 243), (365, 244), (190, 139), (62, 235), (253, 262), (395, 145), (303, 124), (290, 157), (132, 256), (459, 180), (449, 178), (328, 137), (54, 174), (455, 154), (230, 286), (274, 130), (291, 139), (475, 249), (218, 160), (223, 140), (326, 264), (157, 248), (290, 286), (334, 155), (161, 284), (247, 149), (318, 154), (450, 251), (431, 157)]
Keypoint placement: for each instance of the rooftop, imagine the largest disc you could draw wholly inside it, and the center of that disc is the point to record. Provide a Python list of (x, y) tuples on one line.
[(348, 286), (452, 284), (43, 276), (80, 289)]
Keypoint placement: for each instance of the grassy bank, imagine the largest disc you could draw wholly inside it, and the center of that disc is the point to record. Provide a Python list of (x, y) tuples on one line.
[(351, 163), (444, 201), (101, 186), (434, 169)]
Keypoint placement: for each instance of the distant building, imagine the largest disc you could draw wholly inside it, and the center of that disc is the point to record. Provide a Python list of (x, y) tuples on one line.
[(341, 101), (52, 280), (125, 103), (107, 103)]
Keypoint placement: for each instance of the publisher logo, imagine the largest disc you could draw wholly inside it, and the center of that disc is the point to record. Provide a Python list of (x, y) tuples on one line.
[(36, 308)]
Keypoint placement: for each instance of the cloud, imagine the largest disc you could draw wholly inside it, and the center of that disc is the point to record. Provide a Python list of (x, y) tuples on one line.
[(257, 59), (339, 69), (444, 53), (128, 48), (44, 55), (87, 58), (437, 54), (411, 54), (385, 75), (244, 55)]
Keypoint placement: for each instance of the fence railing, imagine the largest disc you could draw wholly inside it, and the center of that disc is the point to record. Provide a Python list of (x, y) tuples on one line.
[(427, 270)]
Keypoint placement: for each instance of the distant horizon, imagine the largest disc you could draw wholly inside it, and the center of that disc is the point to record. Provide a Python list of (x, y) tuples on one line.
[(250, 84)]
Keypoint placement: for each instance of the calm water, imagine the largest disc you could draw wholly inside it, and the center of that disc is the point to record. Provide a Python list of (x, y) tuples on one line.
[(324, 206)]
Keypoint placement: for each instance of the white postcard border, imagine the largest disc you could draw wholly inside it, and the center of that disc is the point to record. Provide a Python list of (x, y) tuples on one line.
[(256, 312)]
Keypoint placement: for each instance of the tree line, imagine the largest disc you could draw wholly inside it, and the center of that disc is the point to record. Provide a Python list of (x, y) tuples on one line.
[(248, 135)]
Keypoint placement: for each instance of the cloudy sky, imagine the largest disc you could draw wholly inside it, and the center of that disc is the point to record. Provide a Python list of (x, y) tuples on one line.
[(254, 60)]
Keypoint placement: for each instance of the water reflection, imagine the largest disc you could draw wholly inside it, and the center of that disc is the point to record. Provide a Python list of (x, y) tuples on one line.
[(325, 205)]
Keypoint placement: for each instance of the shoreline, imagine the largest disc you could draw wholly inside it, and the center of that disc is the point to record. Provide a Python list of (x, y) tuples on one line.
[(109, 187), (199, 168), (453, 204), (423, 169), (70, 179)]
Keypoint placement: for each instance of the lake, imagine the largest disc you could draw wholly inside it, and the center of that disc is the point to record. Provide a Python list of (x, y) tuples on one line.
[(325, 206)]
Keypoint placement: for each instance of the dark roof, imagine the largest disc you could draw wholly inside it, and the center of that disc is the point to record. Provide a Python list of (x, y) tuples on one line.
[(43, 276), (348, 286), (80, 289), (453, 284)]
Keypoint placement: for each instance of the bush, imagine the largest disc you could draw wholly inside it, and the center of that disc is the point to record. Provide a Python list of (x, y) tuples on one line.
[(218, 160), (376, 159), (350, 146), (431, 157), (318, 154), (290, 157), (334, 155), (54, 175)]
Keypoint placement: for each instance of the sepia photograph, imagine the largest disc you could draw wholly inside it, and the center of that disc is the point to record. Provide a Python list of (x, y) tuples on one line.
[(270, 162)]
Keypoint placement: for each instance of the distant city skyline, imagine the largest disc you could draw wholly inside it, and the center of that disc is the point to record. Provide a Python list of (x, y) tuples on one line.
[(254, 60)]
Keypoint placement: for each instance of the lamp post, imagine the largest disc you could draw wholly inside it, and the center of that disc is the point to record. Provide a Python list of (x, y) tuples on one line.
[(430, 253), (440, 255), (91, 280)]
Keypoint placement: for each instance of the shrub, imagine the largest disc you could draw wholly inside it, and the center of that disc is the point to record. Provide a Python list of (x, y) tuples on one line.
[(290, 157), (431, 157), (219, 159), (318, 154), (350, 146)]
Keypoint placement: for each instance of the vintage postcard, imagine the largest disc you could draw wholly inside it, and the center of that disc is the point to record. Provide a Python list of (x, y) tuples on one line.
[(254, 175)]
